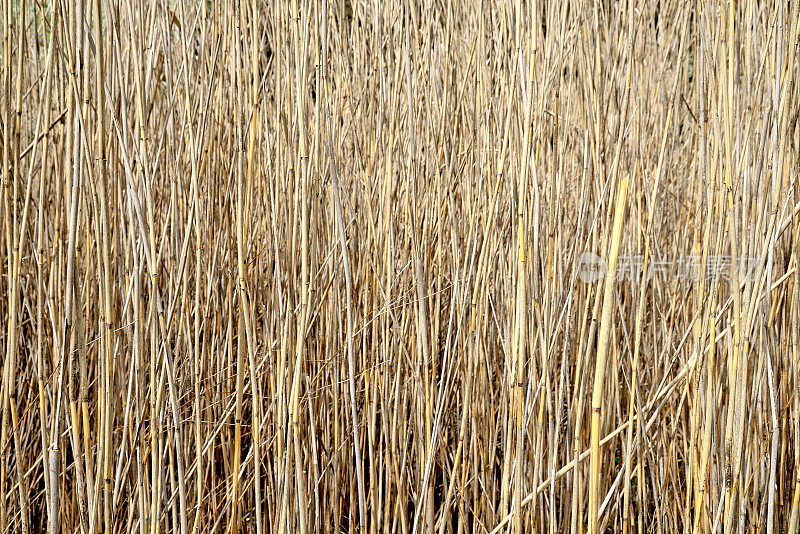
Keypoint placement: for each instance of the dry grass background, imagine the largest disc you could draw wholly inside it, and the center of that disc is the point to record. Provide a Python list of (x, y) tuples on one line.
[(313, 266)]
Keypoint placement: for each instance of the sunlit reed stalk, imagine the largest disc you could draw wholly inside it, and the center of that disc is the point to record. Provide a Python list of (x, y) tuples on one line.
[(602, 351)]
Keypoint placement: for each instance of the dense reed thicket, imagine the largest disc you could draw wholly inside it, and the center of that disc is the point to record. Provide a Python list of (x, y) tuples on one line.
[(415, 267)]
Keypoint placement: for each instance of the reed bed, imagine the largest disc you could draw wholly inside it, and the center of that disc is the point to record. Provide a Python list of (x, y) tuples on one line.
[(419, 267)]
